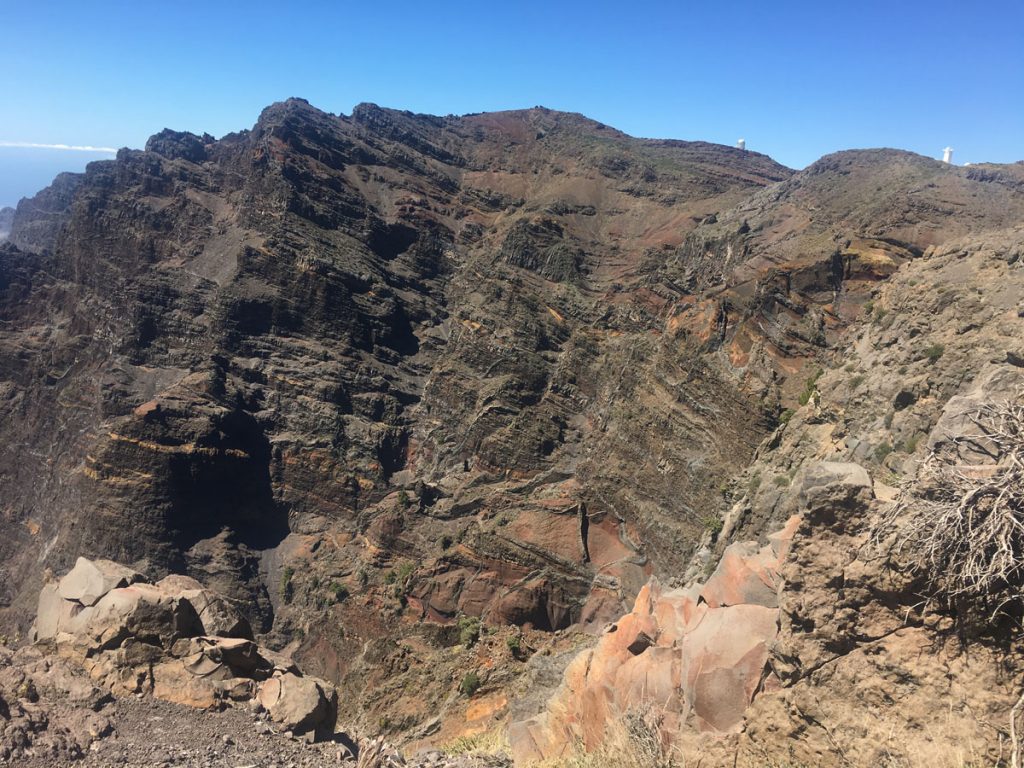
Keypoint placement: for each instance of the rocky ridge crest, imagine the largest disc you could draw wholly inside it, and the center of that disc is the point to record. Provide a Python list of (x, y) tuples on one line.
[(373, 378)]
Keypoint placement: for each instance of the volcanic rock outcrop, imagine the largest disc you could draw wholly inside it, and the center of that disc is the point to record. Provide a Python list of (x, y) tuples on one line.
[(373, 378), (697, 656), (174, 639), (6, 220)]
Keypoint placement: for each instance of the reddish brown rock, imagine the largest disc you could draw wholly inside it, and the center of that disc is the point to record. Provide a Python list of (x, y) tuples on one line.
[(697, 655), (747, 575)]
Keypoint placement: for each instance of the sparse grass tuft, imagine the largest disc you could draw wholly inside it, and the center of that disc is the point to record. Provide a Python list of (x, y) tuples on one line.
[(933, 352), (632, 740), (810, 387), (470, 684), (287, 587), (713, 524)]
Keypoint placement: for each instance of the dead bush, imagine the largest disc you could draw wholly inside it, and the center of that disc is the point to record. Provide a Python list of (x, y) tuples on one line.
[(377, 753), (960, 523), (633, 740)]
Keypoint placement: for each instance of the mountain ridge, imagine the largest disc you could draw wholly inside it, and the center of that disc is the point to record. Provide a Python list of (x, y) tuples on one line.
[(502, 367)]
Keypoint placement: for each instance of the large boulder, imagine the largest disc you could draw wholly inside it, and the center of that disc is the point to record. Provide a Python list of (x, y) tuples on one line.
[(827, 490), (300, 704), (99, 601), (217, 615), (204, 671), (143, 612), (90, 580), (177, 639)]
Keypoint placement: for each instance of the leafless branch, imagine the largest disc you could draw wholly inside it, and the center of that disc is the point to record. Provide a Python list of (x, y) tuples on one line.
[(960, 524)]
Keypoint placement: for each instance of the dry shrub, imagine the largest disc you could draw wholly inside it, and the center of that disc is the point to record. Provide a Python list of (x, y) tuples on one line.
[(488, 748), (634, 740), (960, 525), (377, 753)]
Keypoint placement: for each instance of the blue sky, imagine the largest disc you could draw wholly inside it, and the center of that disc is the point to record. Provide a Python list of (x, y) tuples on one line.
[(796, 79)]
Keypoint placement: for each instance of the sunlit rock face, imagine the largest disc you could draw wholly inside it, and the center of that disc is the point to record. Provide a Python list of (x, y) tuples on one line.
[(366, 376)]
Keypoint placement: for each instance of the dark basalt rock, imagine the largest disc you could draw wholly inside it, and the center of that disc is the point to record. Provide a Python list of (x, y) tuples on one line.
[(179, 145), (38, 220), (244, 359), (541, 247)]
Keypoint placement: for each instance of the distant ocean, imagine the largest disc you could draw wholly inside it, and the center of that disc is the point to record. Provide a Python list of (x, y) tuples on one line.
[(23, 172)]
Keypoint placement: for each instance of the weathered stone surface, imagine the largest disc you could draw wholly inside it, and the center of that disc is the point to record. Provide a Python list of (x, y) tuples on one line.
[(300, 704), (697, 655), (49, 613), (829, 487), (747, 574), (90, 580), (994, 383), (218, 616), (723, 663), (47, 708), (151, 638), (142, 611)]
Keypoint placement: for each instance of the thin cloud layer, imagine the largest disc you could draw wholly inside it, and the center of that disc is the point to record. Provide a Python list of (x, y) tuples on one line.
[(66, 147)]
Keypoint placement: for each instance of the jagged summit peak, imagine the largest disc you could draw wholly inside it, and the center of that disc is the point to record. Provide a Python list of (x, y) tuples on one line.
[(179, 144)]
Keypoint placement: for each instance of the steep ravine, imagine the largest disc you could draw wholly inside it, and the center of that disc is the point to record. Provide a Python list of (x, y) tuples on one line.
[(375, 378)]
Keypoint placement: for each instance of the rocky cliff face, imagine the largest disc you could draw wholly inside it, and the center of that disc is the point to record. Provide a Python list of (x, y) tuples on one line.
[(6, 219), (375, 377), (864, 649)]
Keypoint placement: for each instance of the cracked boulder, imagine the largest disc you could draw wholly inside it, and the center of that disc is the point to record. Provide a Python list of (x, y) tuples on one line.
[(176, 639), (300, 704), (90, 580)]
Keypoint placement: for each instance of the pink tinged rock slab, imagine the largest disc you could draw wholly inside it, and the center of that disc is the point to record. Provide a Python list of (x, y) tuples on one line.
[(90, 580), (720, 698), (677, 612), (781, 541), (652, 677), (630, 635), (528, 740), (723, 663), (746, 574)]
